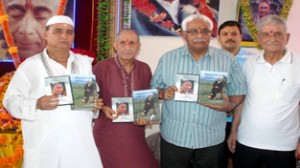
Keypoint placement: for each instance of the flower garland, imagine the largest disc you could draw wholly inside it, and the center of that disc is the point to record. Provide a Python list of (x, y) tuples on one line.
[(12, 49), (249, 17), (14, 144)]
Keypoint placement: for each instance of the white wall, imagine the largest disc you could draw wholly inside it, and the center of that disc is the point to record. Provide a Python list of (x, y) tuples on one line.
[(154, 46)]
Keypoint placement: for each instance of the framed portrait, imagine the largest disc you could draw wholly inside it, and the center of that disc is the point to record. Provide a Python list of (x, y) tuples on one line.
[(60, 87), (123, 108), (163, 18), (250, 12), (187, 86), (27, 26)]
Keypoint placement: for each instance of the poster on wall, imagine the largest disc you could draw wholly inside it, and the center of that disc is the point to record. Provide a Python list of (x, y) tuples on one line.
[(27, 23), (257, 10), (163, 18)]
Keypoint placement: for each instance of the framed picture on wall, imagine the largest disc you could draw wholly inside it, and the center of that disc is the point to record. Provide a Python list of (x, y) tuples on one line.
[(28, 35), (250, 12), (157, 18)]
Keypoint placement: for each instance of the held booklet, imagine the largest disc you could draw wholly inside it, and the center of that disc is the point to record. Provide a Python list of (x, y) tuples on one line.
[(59, 86), (187, 85), (123, 108), (146, 105), (212, 87), (84, 89)]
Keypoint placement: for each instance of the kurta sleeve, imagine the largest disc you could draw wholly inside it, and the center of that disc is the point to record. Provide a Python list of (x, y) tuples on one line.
[(17, 100)]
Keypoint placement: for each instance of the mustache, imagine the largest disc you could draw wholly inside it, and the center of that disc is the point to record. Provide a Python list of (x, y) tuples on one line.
[(199, 40), (230, 40)]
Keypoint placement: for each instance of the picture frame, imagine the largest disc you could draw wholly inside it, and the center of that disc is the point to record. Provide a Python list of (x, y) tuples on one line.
[(248, 14), (188, 86), (59, 86), (123, 108)]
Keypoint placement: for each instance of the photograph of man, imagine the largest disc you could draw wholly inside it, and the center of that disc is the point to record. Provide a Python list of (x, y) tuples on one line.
[(58, 89), (217, 88), (89, 90), (27, 21), (187, 87), (149, 104)]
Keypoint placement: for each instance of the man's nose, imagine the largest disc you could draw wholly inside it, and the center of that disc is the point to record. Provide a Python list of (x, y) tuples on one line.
[(27, 25)]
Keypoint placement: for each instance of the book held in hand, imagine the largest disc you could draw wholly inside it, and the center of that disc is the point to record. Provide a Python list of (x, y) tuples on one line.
[(212, 87), (123, 109), (60, 87), (187, 85), (84, 89), (146, 105)]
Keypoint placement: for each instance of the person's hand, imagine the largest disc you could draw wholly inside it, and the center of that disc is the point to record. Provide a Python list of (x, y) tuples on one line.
[(142, 121), (109, 113), (225, 108), (231, 141), (170, 92), (98, 105), (297, 152), (47, 103)]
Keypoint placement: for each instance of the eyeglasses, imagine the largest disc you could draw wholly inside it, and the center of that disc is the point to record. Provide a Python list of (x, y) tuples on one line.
[(267, 35), (194, 32)]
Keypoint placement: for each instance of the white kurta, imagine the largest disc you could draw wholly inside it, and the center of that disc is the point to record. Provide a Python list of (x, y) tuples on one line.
[(59, 138)]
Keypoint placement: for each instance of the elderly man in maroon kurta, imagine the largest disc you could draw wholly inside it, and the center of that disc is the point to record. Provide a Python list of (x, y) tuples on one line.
[(122, 144)]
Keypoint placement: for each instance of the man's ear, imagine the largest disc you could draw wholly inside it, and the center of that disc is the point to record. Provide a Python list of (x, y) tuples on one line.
[(115, 47)]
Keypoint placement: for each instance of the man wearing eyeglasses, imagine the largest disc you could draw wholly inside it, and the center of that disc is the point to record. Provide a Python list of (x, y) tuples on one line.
[(266, 132), (193, 134)]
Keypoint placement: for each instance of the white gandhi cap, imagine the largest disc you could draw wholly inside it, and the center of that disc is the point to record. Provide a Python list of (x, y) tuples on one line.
[(60, 19)]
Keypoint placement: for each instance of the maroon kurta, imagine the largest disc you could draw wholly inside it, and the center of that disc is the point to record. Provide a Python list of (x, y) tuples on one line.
[(121, 144)]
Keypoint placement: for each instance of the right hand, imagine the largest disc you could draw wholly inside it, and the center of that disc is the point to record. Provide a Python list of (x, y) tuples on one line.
[(170, 92), (109, 113), (231, 141), (47, 102)]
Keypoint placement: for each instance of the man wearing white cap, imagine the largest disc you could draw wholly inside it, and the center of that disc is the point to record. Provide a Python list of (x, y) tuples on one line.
[(54, 136)]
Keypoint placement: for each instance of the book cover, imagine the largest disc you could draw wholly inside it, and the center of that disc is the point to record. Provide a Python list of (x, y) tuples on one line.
[(188, 86), (59, 86), (84, 90), (124, 109), (212, 87), (146, 105)]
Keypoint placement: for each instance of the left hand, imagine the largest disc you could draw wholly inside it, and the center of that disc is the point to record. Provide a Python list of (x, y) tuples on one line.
[(98, 105), (142, 122), (297, 152)]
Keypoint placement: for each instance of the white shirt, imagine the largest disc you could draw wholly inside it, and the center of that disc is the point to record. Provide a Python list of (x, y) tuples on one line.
[(59, 138), (270, 117)]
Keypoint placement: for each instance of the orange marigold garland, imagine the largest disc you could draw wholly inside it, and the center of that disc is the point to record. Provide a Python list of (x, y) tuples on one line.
[(62, 7), (12, 49)]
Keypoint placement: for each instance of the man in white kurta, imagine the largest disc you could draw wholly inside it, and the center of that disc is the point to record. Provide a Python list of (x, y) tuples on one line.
[(54, 136)]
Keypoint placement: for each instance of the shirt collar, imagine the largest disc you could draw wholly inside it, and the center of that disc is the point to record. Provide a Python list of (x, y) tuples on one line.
[(287, 58)]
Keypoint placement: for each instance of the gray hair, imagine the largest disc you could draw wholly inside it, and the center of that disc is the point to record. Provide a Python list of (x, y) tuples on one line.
[(194, 17), (271, 19)]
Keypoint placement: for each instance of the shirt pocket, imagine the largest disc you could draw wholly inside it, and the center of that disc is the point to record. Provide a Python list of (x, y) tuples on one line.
[(289, 92)]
